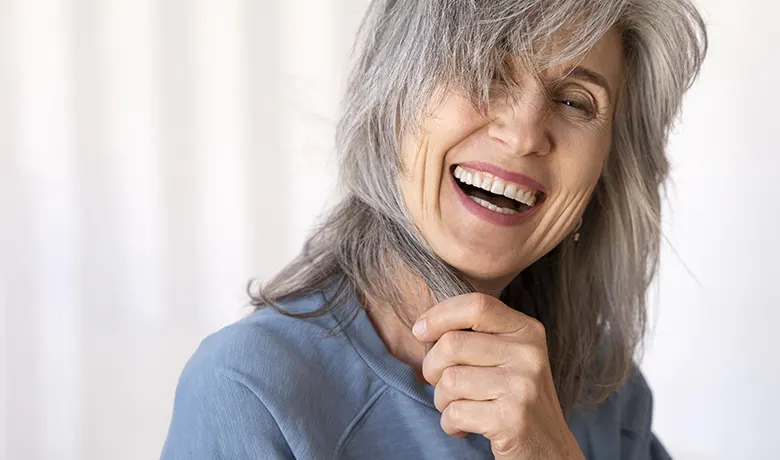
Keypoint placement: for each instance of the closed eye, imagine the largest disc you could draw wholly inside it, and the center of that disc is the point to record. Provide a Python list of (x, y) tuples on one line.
[(584, 109), (574, 104)]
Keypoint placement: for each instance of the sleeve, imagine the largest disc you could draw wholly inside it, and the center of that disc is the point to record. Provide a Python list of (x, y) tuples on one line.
[(638, 440), (215, 416)]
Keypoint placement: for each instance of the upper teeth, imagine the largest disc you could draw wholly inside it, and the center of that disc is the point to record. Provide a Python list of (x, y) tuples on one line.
[(495, 185)]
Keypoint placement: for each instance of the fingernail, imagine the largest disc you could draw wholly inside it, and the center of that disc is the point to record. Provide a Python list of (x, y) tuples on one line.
[(419, 328)]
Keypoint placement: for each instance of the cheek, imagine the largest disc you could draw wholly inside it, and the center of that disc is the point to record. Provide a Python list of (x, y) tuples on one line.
[(581, 162), (421, 180), (409, 180), (582, 176), (423, 158), (576, 169)]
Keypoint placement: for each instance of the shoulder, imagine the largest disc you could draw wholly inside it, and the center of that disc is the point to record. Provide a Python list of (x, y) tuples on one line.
[(268, 350), (635, 405), (629, 408), (233, 397), (634, 401), (621, 425), (297, 368), (263, 332)]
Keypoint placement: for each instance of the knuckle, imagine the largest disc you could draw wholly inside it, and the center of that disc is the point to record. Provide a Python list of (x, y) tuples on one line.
[(526, 389), (451, 343), (449, 378), (453, 412), (444, 424), (440, 398), (537, 328), (507, 446), (429, 369), (537, 364), (500, 446), (481, 305), (532, 359), (448, 421)]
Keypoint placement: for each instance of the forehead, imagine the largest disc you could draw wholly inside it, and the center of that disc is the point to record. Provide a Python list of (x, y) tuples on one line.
[(605, 58)]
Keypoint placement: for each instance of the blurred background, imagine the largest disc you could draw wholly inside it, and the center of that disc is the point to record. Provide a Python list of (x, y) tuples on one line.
[(157, 154)]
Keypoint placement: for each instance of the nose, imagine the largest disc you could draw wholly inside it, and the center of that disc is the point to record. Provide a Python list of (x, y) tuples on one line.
[(522, 128)]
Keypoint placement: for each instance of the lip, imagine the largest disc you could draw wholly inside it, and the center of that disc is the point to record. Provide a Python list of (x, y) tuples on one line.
[(509, 176), (505, 220)]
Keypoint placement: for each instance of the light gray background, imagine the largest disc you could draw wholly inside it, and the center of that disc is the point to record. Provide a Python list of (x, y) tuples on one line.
[(156, 154)]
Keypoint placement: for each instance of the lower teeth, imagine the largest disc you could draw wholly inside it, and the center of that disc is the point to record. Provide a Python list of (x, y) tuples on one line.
[(491, 206)]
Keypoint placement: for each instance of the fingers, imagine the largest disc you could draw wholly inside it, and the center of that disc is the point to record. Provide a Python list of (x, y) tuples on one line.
[(472, 383), (478, 312), (464, 348), (470, 417)]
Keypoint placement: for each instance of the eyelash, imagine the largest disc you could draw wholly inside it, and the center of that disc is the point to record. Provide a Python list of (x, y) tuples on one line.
[(586, 108)]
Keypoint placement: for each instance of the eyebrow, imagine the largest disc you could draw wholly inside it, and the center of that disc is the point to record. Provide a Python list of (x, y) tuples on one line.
[(590, 76)]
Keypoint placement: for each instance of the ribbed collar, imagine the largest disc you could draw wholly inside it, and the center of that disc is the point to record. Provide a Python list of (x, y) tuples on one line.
[(366, 341)]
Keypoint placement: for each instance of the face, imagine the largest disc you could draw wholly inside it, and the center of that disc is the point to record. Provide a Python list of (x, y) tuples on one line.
[(492, 193)]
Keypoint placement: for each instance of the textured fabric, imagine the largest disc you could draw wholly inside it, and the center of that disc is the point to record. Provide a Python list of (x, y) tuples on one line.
[(274, 387)]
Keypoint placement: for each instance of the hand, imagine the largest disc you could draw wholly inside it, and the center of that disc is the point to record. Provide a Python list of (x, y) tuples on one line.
[(495, 379)]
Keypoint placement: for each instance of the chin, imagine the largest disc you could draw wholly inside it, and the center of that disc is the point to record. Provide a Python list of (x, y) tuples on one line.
[(487, 275)]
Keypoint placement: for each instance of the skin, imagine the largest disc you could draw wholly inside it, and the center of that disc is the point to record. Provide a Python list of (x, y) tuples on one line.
[(488, 362)]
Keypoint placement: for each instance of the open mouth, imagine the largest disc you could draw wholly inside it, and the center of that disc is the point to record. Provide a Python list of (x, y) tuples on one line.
[(496, 194)]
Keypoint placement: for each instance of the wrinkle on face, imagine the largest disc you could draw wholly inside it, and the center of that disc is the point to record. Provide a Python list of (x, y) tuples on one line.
[(456, 132)]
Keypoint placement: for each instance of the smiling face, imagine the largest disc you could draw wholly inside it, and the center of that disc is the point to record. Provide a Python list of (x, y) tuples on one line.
[(494, 193)]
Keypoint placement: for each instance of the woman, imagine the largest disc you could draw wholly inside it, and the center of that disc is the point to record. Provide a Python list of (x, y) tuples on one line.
[(479, 291)]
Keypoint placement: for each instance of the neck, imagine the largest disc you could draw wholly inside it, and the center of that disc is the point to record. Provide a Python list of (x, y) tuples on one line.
[(396, 332), (394, 325), (491, 287)]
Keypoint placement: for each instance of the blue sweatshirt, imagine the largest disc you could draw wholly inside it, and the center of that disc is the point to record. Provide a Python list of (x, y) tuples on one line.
[(272, 387)]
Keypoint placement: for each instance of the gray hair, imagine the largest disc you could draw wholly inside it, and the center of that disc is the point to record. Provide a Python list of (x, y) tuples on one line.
[(590, 296)]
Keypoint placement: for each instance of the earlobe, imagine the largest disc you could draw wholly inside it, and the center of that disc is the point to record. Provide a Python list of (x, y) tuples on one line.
[(577, 230)]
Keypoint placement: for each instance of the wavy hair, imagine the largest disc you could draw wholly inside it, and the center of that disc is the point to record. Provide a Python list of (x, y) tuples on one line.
[(590, 296)]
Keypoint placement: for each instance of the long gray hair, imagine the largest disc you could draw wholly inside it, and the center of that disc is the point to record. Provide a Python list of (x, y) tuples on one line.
[(590, 296)]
